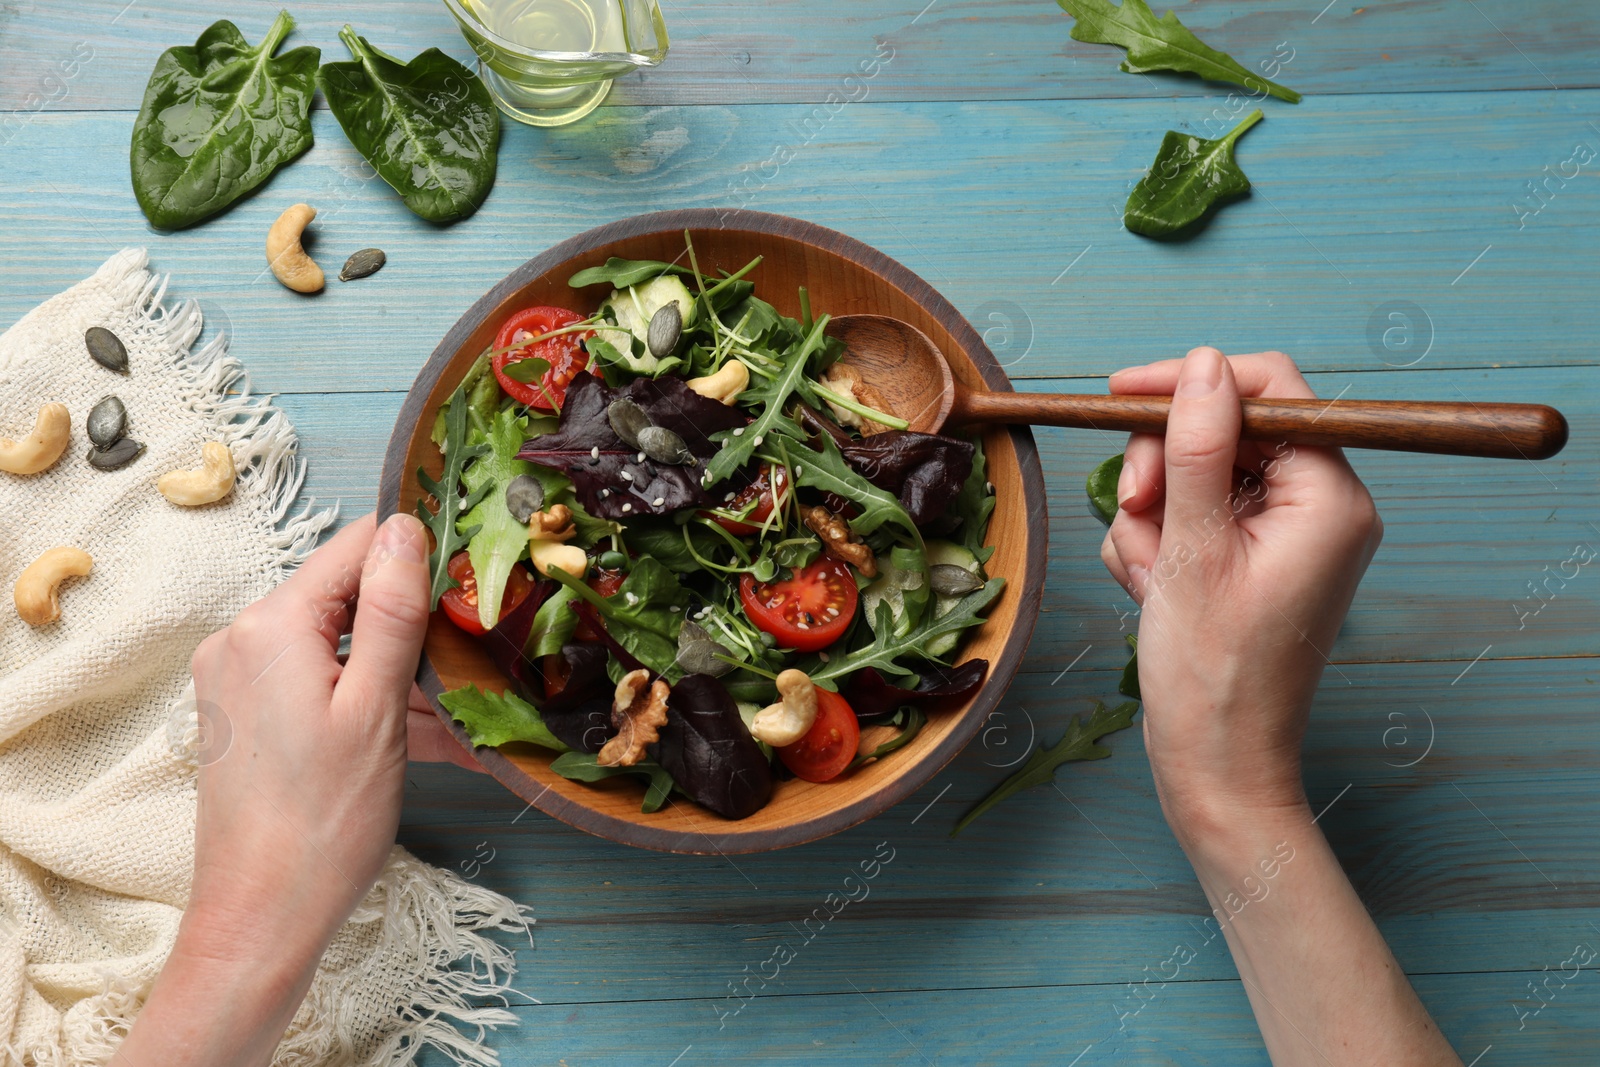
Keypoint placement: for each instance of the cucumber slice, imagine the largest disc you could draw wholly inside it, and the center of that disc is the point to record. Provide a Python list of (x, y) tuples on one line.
[(902, 583), (632, 308), (953, 555)]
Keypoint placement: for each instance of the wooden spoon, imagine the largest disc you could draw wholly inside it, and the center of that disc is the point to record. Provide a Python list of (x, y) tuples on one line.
[(911, 374)]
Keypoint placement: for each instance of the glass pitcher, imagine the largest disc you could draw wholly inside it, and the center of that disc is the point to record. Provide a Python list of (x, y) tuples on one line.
[(551, 62)]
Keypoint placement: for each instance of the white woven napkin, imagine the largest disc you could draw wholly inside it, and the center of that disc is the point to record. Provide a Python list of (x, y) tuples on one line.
[(97, 736)]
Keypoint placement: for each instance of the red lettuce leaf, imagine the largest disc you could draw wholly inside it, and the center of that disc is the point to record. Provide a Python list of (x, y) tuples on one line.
[(875, 701), (709, 752), (587, 450)]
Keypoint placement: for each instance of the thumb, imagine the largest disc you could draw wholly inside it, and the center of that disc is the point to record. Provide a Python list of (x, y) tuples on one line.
[(1202, 442), (391, 618)]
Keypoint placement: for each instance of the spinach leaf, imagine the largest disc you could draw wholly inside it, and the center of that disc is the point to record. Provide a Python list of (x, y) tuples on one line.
[(1189, 177), (1078, 743), (1102, 489), (427, 126), (494, 719), (644, 614), (622, 273), (217, 119), (1161, 44), (581, 767), (497, 539), (446, 492), (1129, 684), (887, 646)]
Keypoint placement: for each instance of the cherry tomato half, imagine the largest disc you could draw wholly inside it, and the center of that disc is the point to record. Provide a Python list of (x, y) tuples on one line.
[(565, 354), (807, 612), (769, 484), (829, 746), (606, 583), (461, 603)]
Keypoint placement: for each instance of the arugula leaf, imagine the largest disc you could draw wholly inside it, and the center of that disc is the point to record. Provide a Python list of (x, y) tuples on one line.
[(828, 471), (1101, 486), (493, 719), (975, 504), (581, 767), (887, 646), (1161, 44), (622, 273), (447, 539), (1189, 177), (218, 118), (1128, 686), (428, 127), (772, 395), (1078, 743), (915, 720), (497, 539)]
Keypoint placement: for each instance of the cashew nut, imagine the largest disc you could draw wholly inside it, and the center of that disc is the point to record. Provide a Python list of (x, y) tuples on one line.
[(285, 255), (725, 385), (210, 483), (40, 448), (787, 721), (35, 592), (546, 531)]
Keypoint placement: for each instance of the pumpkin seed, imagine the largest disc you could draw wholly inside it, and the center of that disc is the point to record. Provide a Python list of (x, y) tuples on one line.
[(120, 454), (106, 349), (666, 326), (627, 419), (106, 421), (947, 579), (524, 496), (361, 264), (697, 652), (664, 446)]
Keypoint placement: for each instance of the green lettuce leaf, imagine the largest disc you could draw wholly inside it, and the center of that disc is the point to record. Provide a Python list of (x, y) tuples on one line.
[(497, 539), (493, 719)]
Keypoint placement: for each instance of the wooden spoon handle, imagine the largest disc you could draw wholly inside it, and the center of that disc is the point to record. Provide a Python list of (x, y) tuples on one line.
[(1503, 431)]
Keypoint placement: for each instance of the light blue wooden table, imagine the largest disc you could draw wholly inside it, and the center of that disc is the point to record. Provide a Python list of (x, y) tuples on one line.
[(1392, 246)]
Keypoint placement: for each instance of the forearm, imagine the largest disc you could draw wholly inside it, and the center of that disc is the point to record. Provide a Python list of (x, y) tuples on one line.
[(224, 997), (1324, 986)]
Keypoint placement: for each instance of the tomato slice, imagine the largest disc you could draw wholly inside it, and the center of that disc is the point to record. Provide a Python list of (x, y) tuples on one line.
[(769, 486), (606, 583), (461, 603), (807, 612), (829, 746), (565, 354)]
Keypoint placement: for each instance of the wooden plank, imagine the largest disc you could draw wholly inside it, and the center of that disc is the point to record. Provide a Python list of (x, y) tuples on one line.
[(788, 50), (1010, 209), (1082, 884), (1464, 538), (1188, 1024)]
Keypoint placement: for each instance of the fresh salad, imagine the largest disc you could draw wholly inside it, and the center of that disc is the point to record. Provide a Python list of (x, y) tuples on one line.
[(698, 544)]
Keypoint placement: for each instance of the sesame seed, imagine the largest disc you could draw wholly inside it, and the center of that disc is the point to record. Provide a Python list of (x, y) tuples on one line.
[(627, 507), (988, 487), (604, 493), (595, 452), (627, 476), (658, 501), (759, 439), (823, 656), (833, 612), (738, 431), (639, 458), (729, 498), (797, 470)]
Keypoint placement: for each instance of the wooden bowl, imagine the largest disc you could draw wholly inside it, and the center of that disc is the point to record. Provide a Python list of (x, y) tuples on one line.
[(843, 276)]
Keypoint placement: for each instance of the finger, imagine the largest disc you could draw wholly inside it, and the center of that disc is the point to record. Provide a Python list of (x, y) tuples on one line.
[(320, 591), (427, 741), (1136, 542), (1114, 564), (1144, 473), (418, 701), (1257, 374), (1202, 437), (391, 618)]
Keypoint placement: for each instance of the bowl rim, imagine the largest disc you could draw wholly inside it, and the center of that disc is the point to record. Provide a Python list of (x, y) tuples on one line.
[(1029, 591)]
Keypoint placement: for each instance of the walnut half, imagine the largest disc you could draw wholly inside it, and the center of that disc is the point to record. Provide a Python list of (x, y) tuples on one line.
[(839, 541), (638, 711), (847, 381)]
